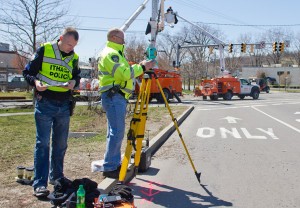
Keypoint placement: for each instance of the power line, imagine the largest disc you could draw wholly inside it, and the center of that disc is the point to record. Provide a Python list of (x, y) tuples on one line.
[(95, 17), (209, 23), (249, 25)]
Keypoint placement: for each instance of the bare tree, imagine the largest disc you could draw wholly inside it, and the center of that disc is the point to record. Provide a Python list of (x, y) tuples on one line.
[(168, 46), (276, 35), (135, 48), (27, 23), (296, 45), (200, 56)]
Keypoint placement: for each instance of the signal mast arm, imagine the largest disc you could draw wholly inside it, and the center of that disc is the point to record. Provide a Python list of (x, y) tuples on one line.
[(215, 39), (126, 25)]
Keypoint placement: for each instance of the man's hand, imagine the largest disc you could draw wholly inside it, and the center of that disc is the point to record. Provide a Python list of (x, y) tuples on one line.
[(39, 85), (148, 64), (71, 84)]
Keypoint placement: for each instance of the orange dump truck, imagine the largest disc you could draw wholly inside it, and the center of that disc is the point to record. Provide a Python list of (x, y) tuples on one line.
[(226, 87), (171, 84)]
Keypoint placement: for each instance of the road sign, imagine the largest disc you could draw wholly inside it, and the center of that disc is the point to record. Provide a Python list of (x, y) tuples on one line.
[(287, 43), (262, 44), (3, 78)]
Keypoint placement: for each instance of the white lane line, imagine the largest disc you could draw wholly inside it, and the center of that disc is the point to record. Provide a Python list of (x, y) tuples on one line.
[(276, 119), (220, 108)]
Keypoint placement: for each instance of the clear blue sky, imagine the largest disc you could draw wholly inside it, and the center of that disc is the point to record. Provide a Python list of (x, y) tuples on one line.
[(101, 15)]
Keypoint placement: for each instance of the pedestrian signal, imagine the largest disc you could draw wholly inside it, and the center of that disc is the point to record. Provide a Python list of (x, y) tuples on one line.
[(274, 47), (230, 48)]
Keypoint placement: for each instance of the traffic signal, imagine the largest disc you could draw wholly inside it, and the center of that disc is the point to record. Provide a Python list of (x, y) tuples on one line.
[(274, 47), (243, 47), (281, 47), (211, 48), (230, 48), (252, 48)]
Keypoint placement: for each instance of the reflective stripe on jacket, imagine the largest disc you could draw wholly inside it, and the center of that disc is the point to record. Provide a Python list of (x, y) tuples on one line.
[(56, 70), (115, 70)]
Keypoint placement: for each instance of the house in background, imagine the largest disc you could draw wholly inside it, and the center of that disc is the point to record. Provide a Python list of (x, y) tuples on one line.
[(11, 60), (11, 64)]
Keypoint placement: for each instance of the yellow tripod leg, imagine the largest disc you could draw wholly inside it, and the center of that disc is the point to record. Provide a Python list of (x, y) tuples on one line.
[(139, 117), (177, 128), (141, 128)]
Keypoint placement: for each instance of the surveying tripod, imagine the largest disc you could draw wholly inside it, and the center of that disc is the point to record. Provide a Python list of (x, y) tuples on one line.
[(136, 132)]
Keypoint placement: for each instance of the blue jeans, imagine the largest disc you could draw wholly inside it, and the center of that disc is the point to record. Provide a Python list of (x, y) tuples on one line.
[(115, 108), (50, 116)]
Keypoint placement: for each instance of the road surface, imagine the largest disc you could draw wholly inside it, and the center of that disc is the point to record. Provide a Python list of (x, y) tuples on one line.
[(247, 151)]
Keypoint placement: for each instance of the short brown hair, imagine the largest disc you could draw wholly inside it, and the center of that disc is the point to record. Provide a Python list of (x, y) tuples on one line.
[(113, 31), (71, 31)]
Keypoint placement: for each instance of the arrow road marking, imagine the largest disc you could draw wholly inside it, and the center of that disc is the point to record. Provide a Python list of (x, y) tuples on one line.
[(231, 119)]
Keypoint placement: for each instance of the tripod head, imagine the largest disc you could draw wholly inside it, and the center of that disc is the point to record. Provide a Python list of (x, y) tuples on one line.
[(149, 73)]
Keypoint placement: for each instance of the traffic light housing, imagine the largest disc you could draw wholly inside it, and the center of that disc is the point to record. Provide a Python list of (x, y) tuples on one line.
[(281, 47), (243, 47), (274, 47), (211, 49), (252, 48), (230, 48)]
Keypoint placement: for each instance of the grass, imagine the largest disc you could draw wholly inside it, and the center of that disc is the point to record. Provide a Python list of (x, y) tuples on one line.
[(16, 110), (187, 92), (28, 95), (17, 133)]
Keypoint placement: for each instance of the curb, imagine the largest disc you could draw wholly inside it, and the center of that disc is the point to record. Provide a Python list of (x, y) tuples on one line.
[(14, 100), (16, 114), (154, 144)]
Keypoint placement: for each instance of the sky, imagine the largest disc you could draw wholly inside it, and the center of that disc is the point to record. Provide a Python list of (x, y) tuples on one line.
[(232, 17)]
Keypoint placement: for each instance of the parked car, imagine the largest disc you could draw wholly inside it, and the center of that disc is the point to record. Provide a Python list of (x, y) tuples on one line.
[(16, 82), (271, 80)]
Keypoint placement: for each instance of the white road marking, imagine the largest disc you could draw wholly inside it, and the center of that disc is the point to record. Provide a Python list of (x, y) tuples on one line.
[(276, 119), (231, 119), (270, 132), (249, 136), (207, 132), (233, 133)]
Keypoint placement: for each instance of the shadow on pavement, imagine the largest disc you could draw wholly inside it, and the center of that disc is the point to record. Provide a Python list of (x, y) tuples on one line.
[(166, 196)]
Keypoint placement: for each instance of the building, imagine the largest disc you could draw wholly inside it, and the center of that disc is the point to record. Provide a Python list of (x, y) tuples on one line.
[(10, 63), (283, 75)]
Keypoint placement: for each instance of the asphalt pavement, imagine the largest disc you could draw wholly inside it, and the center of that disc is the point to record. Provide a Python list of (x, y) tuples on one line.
[(246, 150)]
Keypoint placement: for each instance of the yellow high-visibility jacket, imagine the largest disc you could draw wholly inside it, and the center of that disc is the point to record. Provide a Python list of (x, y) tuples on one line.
[(56, 70), (115, 70)]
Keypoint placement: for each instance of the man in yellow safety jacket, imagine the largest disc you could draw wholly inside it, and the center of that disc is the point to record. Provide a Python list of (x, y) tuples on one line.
[(54, 73), (116, 84)]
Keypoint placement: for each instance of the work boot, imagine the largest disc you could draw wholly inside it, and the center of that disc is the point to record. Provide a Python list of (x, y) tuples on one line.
[(112, 174)]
